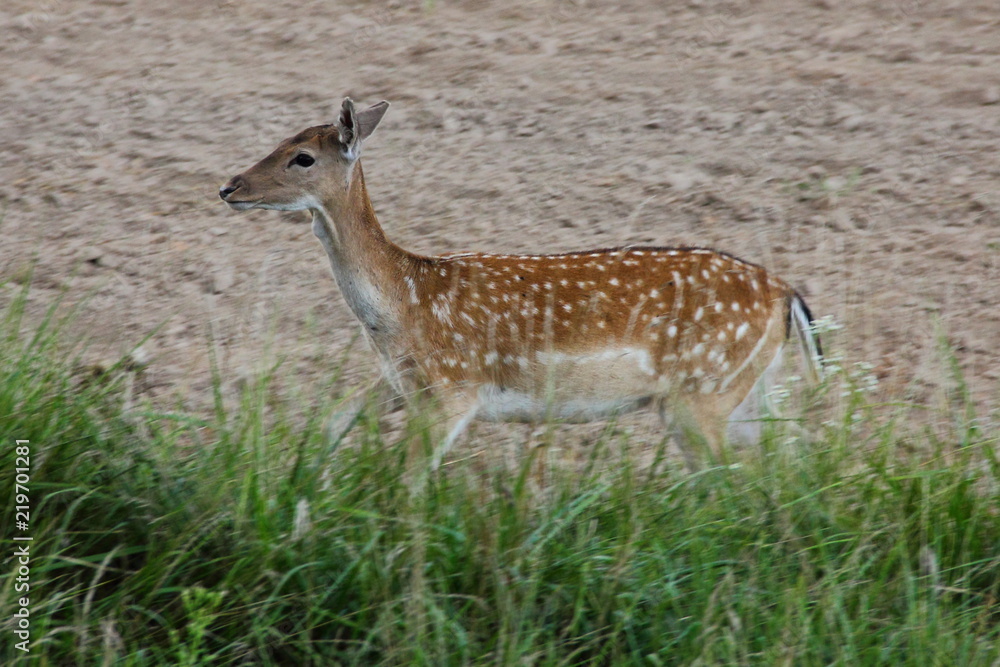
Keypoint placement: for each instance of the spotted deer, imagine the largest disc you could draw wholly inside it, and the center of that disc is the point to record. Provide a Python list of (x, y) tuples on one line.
[(695, 333)]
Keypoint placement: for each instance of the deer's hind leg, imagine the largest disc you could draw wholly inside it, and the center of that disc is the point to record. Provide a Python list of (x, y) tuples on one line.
[(697, 427), (746, 420)]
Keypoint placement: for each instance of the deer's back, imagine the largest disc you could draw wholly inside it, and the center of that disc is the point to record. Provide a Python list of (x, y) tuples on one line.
[(615, 323)]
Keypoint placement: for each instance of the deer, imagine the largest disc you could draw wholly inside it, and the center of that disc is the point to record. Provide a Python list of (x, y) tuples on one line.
[(694, 333)]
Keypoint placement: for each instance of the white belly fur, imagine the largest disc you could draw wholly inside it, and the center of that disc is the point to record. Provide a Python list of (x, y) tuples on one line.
[(577, 388), (497, 404), (586, 388)]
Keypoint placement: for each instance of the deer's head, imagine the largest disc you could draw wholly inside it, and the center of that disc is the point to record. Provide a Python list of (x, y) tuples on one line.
[(304, 170)]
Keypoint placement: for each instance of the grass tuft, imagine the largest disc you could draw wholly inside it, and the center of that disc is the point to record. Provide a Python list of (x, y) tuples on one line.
[(247, 537)]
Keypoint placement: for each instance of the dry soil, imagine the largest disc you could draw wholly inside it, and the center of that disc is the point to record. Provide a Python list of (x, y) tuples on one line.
[(850, 146)]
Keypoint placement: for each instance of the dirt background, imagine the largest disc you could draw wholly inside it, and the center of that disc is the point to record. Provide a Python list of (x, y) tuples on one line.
[(852, 147)]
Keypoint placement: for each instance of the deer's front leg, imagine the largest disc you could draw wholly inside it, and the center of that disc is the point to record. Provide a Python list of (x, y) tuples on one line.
[(458, 414), (378, 393)]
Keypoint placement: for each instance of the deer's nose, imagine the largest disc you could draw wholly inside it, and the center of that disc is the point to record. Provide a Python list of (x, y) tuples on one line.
[(234, 184), (227, 190)]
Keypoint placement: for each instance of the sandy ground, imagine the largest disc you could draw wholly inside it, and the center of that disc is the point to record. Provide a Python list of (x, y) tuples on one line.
[(852, 147)]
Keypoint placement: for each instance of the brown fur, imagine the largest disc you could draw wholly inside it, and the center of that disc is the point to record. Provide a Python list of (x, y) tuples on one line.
[(690, 329)]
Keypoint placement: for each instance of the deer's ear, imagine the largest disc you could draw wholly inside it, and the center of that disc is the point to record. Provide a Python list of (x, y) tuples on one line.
[(347, 128), (355, 126), (369, 119)]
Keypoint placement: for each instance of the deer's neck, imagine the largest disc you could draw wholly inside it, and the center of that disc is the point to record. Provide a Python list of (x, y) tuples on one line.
[(369, 269)]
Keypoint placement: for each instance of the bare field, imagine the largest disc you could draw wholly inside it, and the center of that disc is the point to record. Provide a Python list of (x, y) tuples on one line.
[(851, 147)]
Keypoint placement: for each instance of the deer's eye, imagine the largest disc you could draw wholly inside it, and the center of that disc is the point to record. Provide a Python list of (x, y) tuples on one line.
[(304, 160)]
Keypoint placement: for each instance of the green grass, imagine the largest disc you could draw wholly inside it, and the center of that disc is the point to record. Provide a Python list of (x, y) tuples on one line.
[(246, 537)]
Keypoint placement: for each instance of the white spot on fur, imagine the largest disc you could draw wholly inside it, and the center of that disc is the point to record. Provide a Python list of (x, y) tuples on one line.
[(750, 357), (442, 311), (413, 290)]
